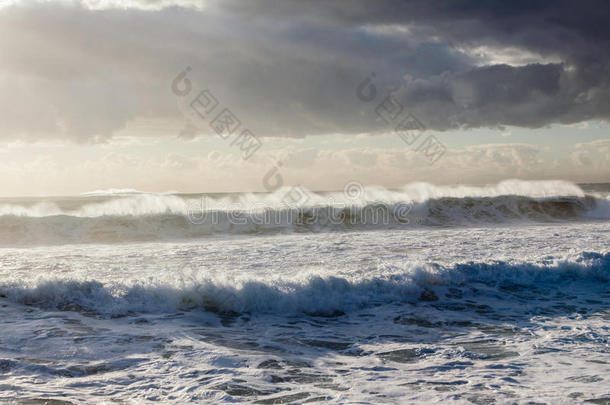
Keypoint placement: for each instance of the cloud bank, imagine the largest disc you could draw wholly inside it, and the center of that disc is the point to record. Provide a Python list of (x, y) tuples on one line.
[(83, 70)]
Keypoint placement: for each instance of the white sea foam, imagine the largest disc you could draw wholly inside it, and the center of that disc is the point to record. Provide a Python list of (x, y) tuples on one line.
[(141, 216), (421, 315), (314, 294), (131, 202)]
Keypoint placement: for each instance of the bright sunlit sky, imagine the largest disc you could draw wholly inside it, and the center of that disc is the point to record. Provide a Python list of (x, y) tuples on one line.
[(88, 100)]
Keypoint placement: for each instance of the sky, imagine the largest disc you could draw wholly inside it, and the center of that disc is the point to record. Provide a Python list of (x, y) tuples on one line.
[(218, 96)]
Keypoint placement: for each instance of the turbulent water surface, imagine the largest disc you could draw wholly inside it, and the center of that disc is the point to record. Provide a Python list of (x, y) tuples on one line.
[(497, 294)]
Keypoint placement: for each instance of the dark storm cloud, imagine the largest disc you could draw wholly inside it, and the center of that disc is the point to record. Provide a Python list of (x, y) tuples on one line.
[(291, 68)]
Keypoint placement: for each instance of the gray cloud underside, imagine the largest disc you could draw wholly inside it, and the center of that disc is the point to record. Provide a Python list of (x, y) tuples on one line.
[(291, 68)]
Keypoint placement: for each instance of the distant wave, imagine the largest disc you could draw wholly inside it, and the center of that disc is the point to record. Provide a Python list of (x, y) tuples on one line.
[(152, 217), (316, 295), (112, 191)]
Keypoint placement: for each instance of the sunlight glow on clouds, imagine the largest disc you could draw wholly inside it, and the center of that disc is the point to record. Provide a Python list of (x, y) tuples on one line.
[(207, 164), (92, 79)]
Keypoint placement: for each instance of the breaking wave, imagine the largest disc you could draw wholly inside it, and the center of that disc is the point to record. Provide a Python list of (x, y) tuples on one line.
[(316, 295), (126, 215)]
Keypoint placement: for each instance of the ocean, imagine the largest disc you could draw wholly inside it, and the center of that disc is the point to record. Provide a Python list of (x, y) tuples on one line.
[(419, 294)]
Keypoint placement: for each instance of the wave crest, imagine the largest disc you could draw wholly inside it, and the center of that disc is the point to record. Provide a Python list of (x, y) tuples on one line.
[(315, 295), (150, 217)]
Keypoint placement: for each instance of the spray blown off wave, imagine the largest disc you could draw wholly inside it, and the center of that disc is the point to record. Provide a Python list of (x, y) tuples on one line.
[(313, 295), (118, 217)]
